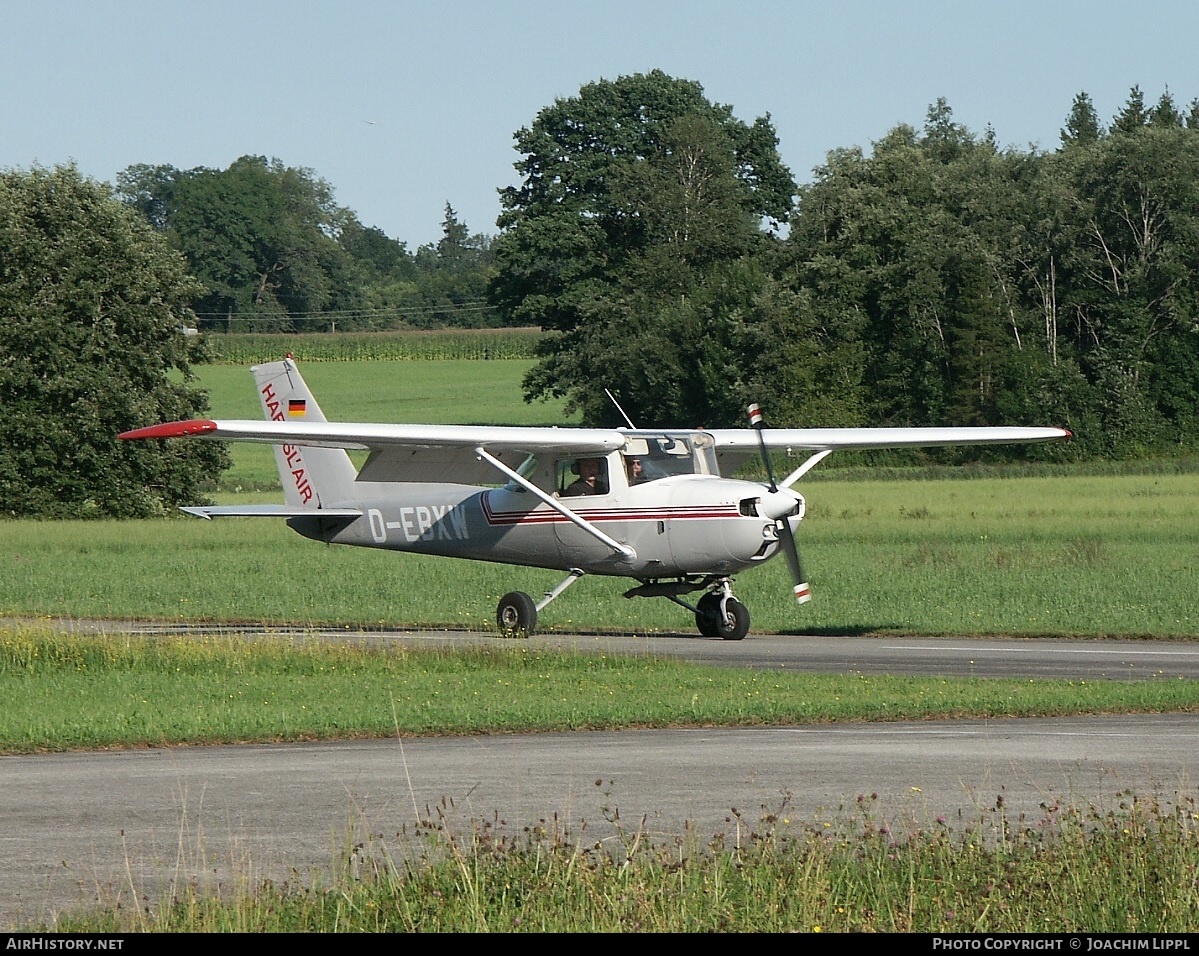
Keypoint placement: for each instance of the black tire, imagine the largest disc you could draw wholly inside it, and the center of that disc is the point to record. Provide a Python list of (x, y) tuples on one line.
[(734, 624), (516, 615), (706, 613)]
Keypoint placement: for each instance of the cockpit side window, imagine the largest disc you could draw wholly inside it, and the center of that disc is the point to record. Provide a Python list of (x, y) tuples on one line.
[(526, 469), (582, 476)]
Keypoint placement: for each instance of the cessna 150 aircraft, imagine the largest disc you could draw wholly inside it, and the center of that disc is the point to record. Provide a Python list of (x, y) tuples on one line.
[(648, 504)]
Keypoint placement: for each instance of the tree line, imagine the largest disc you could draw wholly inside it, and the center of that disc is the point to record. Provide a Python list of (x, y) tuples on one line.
[(669, 255), (275, 252), (939, 279)]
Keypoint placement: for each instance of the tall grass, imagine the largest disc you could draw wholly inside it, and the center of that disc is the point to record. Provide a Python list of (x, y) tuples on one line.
[(1128, 869)]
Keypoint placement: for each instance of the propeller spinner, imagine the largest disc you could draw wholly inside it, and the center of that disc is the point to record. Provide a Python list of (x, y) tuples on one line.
[(802, 590)]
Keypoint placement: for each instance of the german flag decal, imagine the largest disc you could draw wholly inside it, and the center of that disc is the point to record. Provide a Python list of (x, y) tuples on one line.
[(296, 407)]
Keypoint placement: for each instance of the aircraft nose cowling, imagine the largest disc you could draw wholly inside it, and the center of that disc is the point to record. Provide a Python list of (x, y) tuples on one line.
[(780, 504)]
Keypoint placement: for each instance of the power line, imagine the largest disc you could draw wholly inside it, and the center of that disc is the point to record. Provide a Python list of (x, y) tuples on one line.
[(475, 306)]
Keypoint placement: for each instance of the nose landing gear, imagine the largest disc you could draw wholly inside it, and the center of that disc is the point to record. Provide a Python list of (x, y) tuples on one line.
[(730, 623), (719, 614)]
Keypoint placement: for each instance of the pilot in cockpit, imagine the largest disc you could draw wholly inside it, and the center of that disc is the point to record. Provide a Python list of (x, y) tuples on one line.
[(592, 479)]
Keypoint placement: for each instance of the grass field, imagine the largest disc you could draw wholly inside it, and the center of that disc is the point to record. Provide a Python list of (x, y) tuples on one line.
[(451, 391), (239, 690), (1126, 868), (1038, 556), (1066, 554)]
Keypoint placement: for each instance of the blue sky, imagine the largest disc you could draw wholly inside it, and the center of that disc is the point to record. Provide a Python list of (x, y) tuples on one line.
[(403, 107)]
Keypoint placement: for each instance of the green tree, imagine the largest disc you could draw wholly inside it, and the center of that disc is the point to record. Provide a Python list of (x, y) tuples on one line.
[(1192, 117), (1131, 285), (93, 306), (1134, 115), (261, 237), (1082, 125), (1165, 114), (923, 258), (633, 238), (452, 278), (382, 257)]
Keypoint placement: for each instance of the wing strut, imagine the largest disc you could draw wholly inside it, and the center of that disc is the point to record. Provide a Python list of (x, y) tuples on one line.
[(556, 504), (803, 469)]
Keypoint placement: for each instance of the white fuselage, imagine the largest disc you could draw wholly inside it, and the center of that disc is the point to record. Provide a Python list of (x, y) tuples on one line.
[(678, 525)]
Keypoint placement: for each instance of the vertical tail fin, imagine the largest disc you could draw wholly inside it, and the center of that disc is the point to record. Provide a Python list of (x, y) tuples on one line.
[(311, 477)]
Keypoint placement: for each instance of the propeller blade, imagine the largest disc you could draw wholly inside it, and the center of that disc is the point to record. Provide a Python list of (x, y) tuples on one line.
[(757, 423), (802, 591)]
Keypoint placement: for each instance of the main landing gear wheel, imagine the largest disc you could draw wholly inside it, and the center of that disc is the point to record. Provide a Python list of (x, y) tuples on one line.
[(516, 615), (733, 625)]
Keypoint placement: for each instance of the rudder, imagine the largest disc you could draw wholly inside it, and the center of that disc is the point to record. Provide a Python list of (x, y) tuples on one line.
[(311, 477)]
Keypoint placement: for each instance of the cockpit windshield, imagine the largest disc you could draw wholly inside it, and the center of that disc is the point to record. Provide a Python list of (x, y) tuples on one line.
[(651, 457)]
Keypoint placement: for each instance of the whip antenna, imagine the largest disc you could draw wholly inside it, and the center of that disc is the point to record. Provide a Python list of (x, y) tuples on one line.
[(623, 415)]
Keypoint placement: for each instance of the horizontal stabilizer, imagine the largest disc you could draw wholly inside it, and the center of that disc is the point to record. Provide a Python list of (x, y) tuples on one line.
[(209, 512)]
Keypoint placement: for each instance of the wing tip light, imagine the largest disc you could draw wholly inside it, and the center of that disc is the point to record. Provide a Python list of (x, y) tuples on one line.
[(171, 430)]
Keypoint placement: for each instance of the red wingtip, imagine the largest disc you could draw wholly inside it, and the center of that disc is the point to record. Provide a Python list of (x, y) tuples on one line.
[(196, 426)]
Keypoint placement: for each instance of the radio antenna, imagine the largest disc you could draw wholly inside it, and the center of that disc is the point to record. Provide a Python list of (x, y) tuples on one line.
[(621, 410)]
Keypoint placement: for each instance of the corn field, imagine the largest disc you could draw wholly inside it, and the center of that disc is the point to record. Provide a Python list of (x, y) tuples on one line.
[(252, 347)]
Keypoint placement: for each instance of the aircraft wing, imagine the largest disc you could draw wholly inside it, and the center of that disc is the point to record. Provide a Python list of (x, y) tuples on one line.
[(734, 446), (405, 452)]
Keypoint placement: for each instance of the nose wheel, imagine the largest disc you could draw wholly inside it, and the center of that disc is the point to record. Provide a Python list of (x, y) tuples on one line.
[(719, 614)]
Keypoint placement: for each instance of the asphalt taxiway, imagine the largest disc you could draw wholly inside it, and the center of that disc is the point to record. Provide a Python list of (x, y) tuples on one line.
[(126, 826)]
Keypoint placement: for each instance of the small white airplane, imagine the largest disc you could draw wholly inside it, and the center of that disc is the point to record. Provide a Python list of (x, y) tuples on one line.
[(648, 504)]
